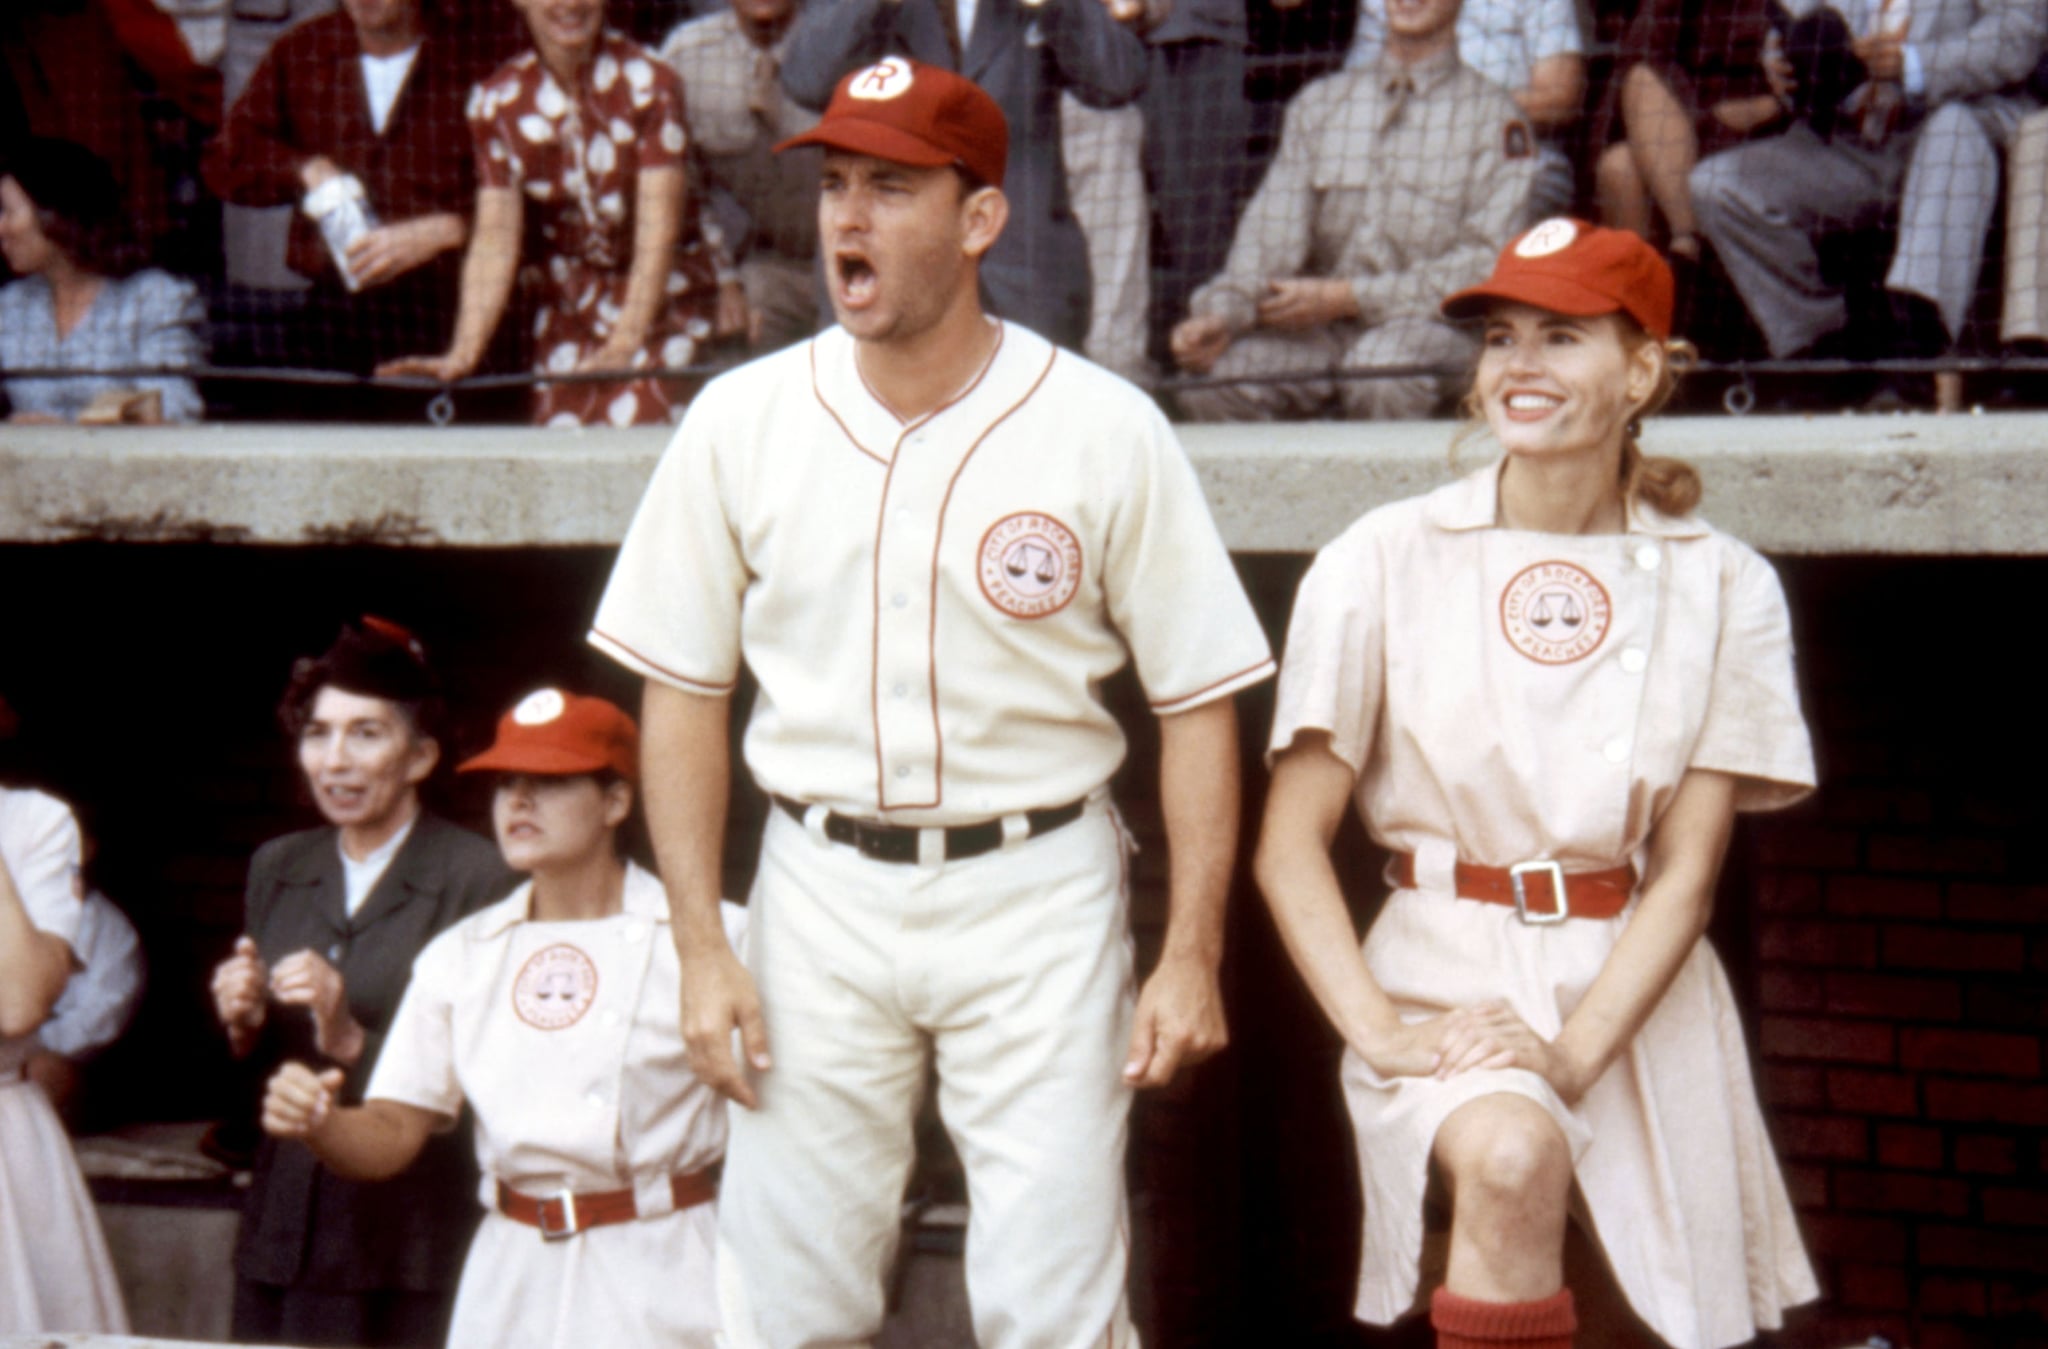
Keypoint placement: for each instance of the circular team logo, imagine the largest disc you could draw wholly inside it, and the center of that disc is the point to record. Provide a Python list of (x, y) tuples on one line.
[(1555, 613), (539, 707), (1552, 236), (1030, 565), (555, 987), (886, 79)]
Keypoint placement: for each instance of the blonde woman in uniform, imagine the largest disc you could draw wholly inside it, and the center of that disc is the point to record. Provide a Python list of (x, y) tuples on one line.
[(1547, 689), (552, 1015)]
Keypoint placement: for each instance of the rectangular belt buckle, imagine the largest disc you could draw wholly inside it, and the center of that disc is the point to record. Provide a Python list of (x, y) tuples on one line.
[(570, 1224), (1556, 874)]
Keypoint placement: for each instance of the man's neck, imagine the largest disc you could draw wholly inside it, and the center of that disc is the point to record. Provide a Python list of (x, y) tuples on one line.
[(916, 378), (764, 34), (1413, 51), (395, 37)]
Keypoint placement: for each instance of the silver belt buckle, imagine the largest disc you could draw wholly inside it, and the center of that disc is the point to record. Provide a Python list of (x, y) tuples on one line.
[(1556, 873), (570, 1226)]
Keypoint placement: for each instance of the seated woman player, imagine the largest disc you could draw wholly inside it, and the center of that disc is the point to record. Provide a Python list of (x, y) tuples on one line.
[(552, 1015)]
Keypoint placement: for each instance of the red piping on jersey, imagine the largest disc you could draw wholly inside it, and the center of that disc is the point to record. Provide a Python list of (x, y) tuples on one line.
[(726, 687), (1171, 704), (833, 412)]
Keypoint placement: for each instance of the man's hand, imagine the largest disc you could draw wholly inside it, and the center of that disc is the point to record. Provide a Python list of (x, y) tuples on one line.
[(1492, 1035), (1297, 303), (390, 251), (448, 369), (719, 996), (1883, 54), (239, 988), (305, 979), (1198, 343), (1179, 1021), (736, 318), (298, 1101), (318, 170)]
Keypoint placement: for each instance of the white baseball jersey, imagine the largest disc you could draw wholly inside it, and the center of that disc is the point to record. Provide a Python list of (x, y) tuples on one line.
[(930, 606), (562, 1037)]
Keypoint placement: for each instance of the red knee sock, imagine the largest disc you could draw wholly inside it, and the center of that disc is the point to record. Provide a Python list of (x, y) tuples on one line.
[(1462, 1323)]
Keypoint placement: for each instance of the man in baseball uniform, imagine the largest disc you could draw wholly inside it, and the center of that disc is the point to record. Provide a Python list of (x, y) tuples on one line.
[(931, 536)]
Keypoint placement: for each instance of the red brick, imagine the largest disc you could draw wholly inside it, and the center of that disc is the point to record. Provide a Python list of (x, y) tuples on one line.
[(1999, 810), (1811, 1037), (1896, 997), (1941, 1296), (1947, 1335), (2024, 1208), (1791, 1088), (1793, 892), (1900, 1192), (1841, 945), (1933, 948), (1982, 1248), (1938, 855), (1883, 897), (1824, 1327), (2024, 1299), (1998, 1002), (2013, 904), (1876, 805), (1981, 1102), (1908, 1147), (1799, 844), (1842, 1237), (1789, 990), (1860, 1093), (1839, 1138), (1987, 1155), (1874, 1288), (1958, 1051), (1808, 1185)]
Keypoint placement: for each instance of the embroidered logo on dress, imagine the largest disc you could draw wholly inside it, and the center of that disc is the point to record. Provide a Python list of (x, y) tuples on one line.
[(886, 79), (555, 987), (1555, 613), (1030, 565), (1552, 236)]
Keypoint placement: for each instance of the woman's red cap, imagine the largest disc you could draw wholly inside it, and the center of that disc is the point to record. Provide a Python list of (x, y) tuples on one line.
[(1570, 267), (907, 112), (554, 734)]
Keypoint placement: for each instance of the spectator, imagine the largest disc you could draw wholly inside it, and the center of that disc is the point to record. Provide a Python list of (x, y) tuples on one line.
[(2025, 316), (79, 305), (334, 917), (1689, 81), (1024, 56), (96, 1007), (1393, 186), (1102, 152), (589, 126), (1923, 130), (566, 991), (763, 205), (1532, 49), (56, 1275), (361, 110)]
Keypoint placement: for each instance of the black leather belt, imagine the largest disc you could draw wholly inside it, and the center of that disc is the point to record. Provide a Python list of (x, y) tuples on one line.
[(898, 842)]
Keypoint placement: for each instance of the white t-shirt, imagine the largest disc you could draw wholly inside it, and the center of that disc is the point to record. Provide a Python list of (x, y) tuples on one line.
[(383, 77)]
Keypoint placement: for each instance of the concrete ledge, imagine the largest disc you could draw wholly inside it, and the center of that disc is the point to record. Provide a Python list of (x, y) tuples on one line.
[(1912, 484)]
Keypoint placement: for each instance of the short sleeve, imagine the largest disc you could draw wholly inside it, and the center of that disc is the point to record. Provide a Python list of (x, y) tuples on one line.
[(416, 1066), (1333, 673), (1171, 588), (1753, 728), (39, 843), (671, 610), (1555, 31), (664, 136), (490, 130)]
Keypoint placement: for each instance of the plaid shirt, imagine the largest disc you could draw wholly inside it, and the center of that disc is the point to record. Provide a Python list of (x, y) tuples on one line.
[(149, 319)]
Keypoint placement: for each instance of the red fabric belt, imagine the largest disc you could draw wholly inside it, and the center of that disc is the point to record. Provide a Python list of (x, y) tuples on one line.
[(566, 1214), (1588, 894)]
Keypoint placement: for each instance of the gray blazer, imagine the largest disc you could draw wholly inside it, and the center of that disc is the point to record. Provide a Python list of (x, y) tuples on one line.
[(1024, 56), (303, 1226)]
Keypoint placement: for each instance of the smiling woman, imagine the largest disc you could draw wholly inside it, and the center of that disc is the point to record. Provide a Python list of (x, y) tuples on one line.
[(1546, 689), (335, 916)]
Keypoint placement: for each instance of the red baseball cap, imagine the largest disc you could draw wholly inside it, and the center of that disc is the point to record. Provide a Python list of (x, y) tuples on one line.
[(555, 734), (908, 112), (1570, 267)]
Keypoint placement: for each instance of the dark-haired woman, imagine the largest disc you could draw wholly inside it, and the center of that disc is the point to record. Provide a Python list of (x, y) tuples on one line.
[(1546, 689), (79, 303), (553, 1016), (335, 916)]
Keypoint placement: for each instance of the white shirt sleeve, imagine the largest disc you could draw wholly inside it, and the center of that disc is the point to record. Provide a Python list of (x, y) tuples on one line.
[(417, 1064), (39, 844), (100, 999)]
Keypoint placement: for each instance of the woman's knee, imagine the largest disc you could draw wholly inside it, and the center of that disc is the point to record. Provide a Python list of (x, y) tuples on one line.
[(1508, 1155)]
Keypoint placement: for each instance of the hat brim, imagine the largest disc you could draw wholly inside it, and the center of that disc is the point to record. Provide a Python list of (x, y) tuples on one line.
[(545, 760), (861, 137), (1559, 294)]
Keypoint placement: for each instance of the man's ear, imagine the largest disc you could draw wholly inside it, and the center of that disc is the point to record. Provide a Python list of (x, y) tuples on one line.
[(985, 211)]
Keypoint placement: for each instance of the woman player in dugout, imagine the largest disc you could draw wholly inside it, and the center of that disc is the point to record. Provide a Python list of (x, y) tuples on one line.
[(1547, 689)]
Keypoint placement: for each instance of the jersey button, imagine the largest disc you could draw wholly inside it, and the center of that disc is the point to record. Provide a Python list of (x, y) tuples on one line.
[(903, 770), (611, 1018), (1634, 660), (595, 1100), (631, 932), (1648, 556), (1616, 749), (900, 600), (901, 690)]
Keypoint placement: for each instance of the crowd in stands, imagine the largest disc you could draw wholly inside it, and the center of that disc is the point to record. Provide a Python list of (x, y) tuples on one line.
[(1242, 204)]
